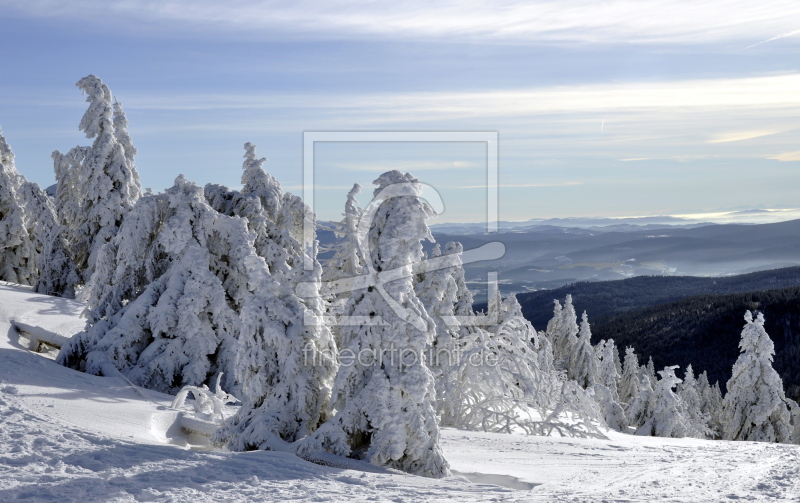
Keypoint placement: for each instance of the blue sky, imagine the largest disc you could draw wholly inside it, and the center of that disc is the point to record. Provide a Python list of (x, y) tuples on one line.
[(612, 108)]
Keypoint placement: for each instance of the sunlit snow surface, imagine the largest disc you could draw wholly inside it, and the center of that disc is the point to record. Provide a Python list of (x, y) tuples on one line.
[(67, 436)]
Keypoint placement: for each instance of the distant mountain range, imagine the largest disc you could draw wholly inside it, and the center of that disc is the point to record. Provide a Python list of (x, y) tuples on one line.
[(603, 224), (549, 256), (736, 216)]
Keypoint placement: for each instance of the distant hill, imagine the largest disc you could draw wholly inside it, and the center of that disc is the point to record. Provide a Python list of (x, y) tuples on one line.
[(705, 330), (548, 256), (605, 298)]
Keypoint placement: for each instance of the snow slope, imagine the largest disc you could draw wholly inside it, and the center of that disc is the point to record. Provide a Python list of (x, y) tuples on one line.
[(68, 436)]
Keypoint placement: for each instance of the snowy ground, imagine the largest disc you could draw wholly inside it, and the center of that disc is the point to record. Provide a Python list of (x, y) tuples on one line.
[(67, 436)]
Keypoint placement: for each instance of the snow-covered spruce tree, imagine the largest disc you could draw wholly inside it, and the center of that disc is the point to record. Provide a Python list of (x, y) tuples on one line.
[(437, 290), (158, 312), (27, 217), (610, 409), (385, 400), (286, 210), (545, 353), (582, 367), (794, 411), (97, 185), (286, 371), (510, 308), (268, 211), (617, 362), (346, 262), (689, 393), (629, 381), (755, 406), (562, 330), (641, 406), (711, 404), (607, 373), (650, 368), (57, 275), (180, 294), (599, 348), (608, 397), (668, 418)]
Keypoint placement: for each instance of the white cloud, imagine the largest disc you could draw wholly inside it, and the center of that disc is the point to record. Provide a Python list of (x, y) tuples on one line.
[(581, 21), (787, 156), (741, 135), (769, 92), (523, 185), (412, 166)]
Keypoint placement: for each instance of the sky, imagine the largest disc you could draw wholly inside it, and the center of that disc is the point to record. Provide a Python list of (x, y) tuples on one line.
[(608, 108)]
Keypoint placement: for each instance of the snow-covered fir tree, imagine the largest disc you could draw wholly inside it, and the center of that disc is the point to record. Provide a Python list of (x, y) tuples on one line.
[(617, 361), (667, 417), (755, 406), (689, 393), (582, 367), (158, 312), (27, 217), (286, 372), (58, 274), (641, 406), (268, 211), (286, 210), (385, 400), (180, 294), (97, 185), (607, 373), (711, 404), (436, 288), (562, 330), (610, 409), (346, 263), (605, 387), (629, 381), (545, 353), (650, 368)]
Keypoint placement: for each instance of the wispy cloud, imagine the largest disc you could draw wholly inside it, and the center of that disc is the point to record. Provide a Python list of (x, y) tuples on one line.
[(754, 92), (741, 135), (317, 187), (783, 35), (523, 185), (581, 21), (412, 166), (785, 157)]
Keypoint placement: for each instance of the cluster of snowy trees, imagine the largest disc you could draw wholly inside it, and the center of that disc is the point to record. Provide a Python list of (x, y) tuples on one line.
[(192, 282), (634, 399)]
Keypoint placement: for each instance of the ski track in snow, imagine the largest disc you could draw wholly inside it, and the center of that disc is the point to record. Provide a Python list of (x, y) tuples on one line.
[(67, 436)]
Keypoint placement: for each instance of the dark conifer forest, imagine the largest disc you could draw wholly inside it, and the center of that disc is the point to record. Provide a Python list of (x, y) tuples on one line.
[(688, 320)]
